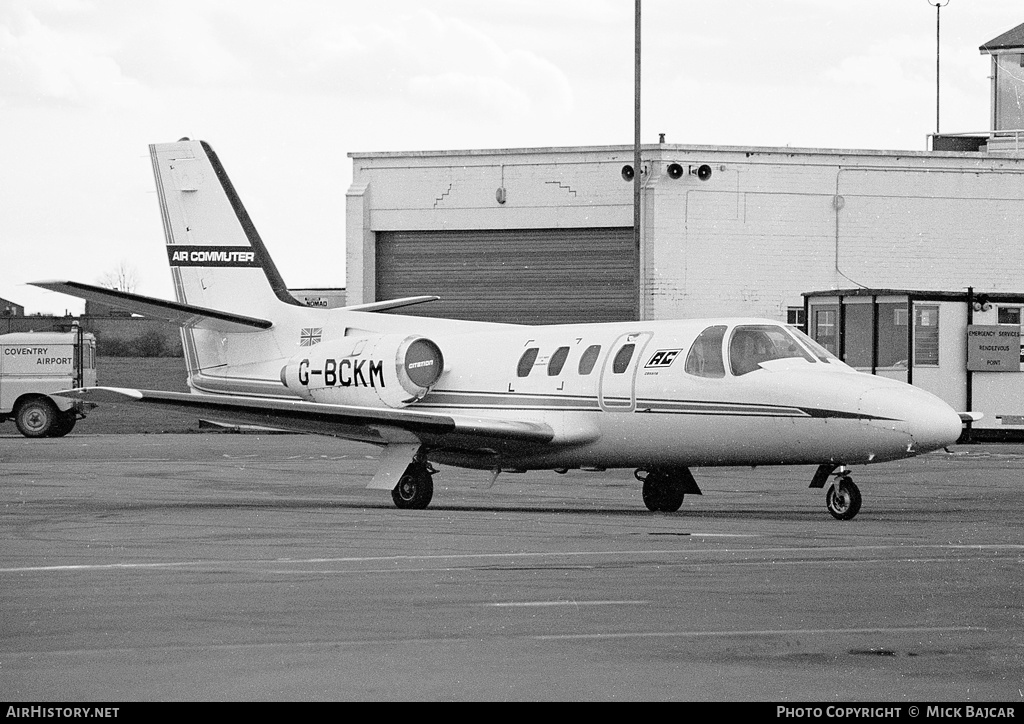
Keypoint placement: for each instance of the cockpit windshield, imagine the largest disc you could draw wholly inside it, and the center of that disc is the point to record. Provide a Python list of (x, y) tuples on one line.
[(820, 352), (752, 344)]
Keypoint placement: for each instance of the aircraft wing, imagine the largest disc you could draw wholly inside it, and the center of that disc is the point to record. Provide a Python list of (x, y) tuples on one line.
[(366, 424), (187, 315)]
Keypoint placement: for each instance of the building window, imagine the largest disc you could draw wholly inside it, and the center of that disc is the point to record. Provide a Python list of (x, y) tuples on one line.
[(892, 334), (826, 329), (858, 335), (796, 317), (926, 335), (1011, 315)]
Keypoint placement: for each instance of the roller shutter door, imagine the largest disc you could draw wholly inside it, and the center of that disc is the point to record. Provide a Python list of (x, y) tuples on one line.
[(525, 276)]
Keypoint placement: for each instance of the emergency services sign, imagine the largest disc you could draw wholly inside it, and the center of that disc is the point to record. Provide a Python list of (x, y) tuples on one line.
[(993, 348)]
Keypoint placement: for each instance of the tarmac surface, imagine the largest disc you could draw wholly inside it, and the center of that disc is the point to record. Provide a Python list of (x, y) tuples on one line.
[(258, 567)]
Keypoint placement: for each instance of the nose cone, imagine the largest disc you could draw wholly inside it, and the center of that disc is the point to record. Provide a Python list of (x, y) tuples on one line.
[(934, 424), (930, 422)]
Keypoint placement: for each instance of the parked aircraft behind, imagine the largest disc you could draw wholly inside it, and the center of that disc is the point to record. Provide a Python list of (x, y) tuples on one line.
[(658, 396)]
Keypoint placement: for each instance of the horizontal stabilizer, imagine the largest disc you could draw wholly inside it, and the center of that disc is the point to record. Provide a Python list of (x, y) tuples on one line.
[(390, 304), (186, 315)]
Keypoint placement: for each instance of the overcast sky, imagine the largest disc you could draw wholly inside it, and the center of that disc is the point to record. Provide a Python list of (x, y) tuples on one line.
[(285, 90)]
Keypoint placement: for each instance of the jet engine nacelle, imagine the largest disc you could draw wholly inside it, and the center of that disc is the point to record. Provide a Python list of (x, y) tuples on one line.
[(395, 370)]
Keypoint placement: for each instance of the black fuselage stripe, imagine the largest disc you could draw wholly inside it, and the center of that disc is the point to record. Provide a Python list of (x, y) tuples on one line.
[(569, 403)]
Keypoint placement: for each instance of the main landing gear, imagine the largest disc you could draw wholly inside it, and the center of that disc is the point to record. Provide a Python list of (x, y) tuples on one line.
[(665, 488), (843, 496), (416, 486)]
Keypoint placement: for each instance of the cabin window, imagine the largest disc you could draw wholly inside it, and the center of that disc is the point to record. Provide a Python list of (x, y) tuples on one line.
[(557, 361), (526, 362), (705, 357), (589, 359), (622, 358)]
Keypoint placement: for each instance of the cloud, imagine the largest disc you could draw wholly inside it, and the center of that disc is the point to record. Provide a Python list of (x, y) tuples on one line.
[(163, 49), (41, 63)]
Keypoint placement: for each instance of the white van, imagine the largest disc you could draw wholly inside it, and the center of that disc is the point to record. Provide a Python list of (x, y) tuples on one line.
[(33, 366)]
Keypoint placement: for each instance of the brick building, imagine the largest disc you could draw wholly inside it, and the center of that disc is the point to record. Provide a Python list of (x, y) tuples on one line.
[(544, 235), (766, 226)]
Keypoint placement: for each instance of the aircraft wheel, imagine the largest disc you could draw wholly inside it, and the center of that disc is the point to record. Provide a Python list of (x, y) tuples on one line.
[(64, 424), (36, 418), (843, 499), (661, 494), (414, 490)]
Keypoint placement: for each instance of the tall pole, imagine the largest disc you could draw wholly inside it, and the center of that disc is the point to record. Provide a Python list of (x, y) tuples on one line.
[(636, 153), (938, 15)]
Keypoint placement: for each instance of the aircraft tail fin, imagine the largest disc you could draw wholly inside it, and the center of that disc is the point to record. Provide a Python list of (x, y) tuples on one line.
[(219, 262), (238, 319), (217, 258)]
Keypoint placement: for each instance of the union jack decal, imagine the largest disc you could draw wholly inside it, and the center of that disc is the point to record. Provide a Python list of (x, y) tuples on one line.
[(310, 336)]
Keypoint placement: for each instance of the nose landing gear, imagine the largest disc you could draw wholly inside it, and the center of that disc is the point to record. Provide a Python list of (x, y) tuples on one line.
[(843, 496)]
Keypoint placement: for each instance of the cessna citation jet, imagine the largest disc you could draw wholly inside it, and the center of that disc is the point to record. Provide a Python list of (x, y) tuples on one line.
[(658, 396)]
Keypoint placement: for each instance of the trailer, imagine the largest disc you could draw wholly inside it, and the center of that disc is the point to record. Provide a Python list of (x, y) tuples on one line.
[(36, 365)]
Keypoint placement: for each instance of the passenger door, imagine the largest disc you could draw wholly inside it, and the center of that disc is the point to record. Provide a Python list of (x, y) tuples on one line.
[(618, 377)]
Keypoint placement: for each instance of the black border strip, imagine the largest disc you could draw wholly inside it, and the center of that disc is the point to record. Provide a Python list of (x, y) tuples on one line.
[(269, 268)]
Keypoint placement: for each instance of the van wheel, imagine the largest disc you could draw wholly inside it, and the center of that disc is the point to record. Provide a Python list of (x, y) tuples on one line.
[(35, 418), (64, 424)]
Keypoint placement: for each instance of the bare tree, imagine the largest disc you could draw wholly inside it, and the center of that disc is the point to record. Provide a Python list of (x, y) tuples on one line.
[(124, 278)]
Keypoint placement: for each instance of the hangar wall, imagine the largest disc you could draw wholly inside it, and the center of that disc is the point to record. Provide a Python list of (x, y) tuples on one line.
[(768, 225)]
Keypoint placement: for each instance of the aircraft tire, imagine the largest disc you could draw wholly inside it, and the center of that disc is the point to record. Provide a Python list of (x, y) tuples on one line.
[(36, 417), (414, 490), (843, 499), (662, 494)]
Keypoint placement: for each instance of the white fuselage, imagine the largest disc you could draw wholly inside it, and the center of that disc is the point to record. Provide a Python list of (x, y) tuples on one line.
[(655, 409)]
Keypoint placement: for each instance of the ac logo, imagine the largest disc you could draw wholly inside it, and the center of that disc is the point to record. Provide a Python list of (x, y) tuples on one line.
[(663, 358)]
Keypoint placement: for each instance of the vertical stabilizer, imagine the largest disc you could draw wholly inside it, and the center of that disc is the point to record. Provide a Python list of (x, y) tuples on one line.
[(218, 261), (217, 257)]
